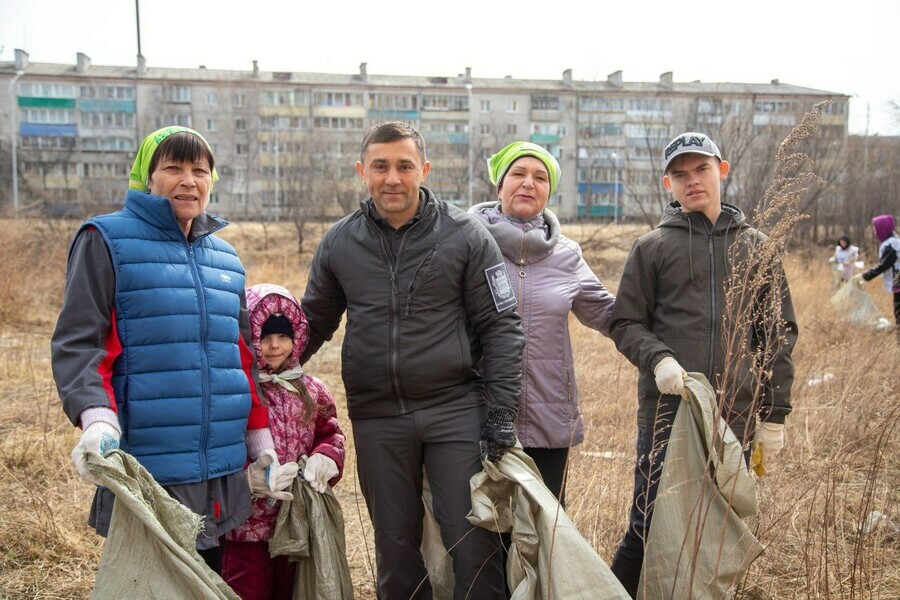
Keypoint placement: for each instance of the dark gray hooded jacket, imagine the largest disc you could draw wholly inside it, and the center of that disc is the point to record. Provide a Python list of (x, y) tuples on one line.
[(671, 302)]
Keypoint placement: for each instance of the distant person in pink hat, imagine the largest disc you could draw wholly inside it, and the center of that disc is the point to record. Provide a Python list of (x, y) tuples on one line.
[(889, 259)]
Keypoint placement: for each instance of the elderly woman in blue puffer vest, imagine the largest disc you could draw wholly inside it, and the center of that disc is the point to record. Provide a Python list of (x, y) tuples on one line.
[(550, 279), (151, 351)]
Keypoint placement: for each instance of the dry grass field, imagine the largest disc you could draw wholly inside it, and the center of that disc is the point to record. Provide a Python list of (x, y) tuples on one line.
[(841, 462)]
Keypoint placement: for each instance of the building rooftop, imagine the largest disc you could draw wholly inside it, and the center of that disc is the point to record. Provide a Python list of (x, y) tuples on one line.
[(614, 84)]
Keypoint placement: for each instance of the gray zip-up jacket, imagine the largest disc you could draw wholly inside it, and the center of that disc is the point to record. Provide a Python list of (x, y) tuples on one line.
[(551, 279), (431, 325), (671, 303)]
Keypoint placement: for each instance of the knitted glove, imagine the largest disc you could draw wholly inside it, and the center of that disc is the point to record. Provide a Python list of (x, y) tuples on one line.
[(498, 434), (270, 479), (319, 470), (669, 377), (98, 437)]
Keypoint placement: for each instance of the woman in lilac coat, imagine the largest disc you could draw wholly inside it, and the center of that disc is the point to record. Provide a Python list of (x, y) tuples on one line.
[(550, 279)]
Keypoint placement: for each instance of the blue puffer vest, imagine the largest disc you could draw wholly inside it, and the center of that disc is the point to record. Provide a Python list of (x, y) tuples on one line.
[(183, 398)]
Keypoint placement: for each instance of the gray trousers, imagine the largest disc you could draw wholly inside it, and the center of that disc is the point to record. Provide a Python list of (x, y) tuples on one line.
[(390, 454)]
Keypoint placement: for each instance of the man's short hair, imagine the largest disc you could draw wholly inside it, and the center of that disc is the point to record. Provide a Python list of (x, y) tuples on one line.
[(391, 131), (690, 142)]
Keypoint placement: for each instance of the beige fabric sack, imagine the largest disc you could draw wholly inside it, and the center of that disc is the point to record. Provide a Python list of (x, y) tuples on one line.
[(310, 530), (698, 545), (150, 551), (548, 557)]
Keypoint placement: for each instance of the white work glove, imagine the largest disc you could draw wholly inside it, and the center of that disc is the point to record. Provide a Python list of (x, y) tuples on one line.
[(670, 377), (771, 437), (99, 437), (270, 479), (832, 259), (768, 441), (857, 279), (319, 471)]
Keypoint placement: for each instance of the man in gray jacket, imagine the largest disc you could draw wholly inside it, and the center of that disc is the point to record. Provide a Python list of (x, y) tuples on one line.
[(430, 361), (668, 317)]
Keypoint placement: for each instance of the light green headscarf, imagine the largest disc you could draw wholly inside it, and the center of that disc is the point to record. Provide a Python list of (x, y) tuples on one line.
[(499, 163), (140, 171)]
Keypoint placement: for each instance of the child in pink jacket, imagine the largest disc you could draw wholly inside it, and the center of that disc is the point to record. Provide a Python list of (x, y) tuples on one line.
[(303, 420)]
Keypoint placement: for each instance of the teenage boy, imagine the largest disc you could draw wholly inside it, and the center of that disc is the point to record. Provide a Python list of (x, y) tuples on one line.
[(668, 319)]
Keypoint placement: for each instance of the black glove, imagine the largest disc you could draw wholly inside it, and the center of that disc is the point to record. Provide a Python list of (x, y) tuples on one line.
[(498, 434)]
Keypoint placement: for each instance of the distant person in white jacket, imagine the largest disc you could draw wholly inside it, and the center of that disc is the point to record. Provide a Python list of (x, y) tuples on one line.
[(844, 258)]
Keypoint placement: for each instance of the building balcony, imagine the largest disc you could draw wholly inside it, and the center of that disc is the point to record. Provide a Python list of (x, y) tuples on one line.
[(48, 129), (394, 115), (126, 106), (545, 138), (54, 103)]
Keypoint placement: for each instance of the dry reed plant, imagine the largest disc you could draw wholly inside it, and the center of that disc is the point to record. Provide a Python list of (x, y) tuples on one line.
[(840, 464)]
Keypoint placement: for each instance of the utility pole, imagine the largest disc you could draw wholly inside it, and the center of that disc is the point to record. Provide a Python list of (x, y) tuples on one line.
[(13, 134), (471, 140), (615, 158)]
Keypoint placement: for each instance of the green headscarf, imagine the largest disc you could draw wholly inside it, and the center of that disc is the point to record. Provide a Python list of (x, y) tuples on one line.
[(499, 163), (140, 171)]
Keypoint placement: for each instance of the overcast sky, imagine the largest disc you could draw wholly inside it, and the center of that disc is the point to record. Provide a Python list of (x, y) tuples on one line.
[(849, 48)]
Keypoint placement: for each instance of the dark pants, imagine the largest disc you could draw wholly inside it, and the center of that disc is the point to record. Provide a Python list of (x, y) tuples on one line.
[(391, 453), (651, 452), (254, 575), (897, 309), (551, 462)]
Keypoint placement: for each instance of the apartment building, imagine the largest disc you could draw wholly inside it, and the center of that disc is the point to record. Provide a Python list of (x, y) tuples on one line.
[(286, 143)]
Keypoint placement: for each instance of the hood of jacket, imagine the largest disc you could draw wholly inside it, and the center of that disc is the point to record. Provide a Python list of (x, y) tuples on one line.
[(731, 219), (265, 300), (883, 226), (536, 244)]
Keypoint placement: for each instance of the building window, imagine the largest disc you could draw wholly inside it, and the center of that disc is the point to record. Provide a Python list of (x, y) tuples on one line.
[(107, 143), (214, 198), (177, 93), (485, 129), (113, 92), (512, 106), (284, 98), (240, 174), (211, 125), (212, 99), (40, 141), (107, 119), (46, 90), (240, 149), (46, 115), (512, 129), (445, 102), (240, 125), (242, 198), (543, 102), (393, 101), (239, 100), (180, 120), (485, 106), (337, 99), (338, 123), (277, 123)]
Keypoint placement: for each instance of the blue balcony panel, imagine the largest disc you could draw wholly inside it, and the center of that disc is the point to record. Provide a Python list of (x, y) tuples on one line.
[(48, 130), (93, 105)]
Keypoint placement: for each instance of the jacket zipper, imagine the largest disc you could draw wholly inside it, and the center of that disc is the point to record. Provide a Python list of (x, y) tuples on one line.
[(204, 362), (712, 302), (393, 267), (520, 302), (412, 284)]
